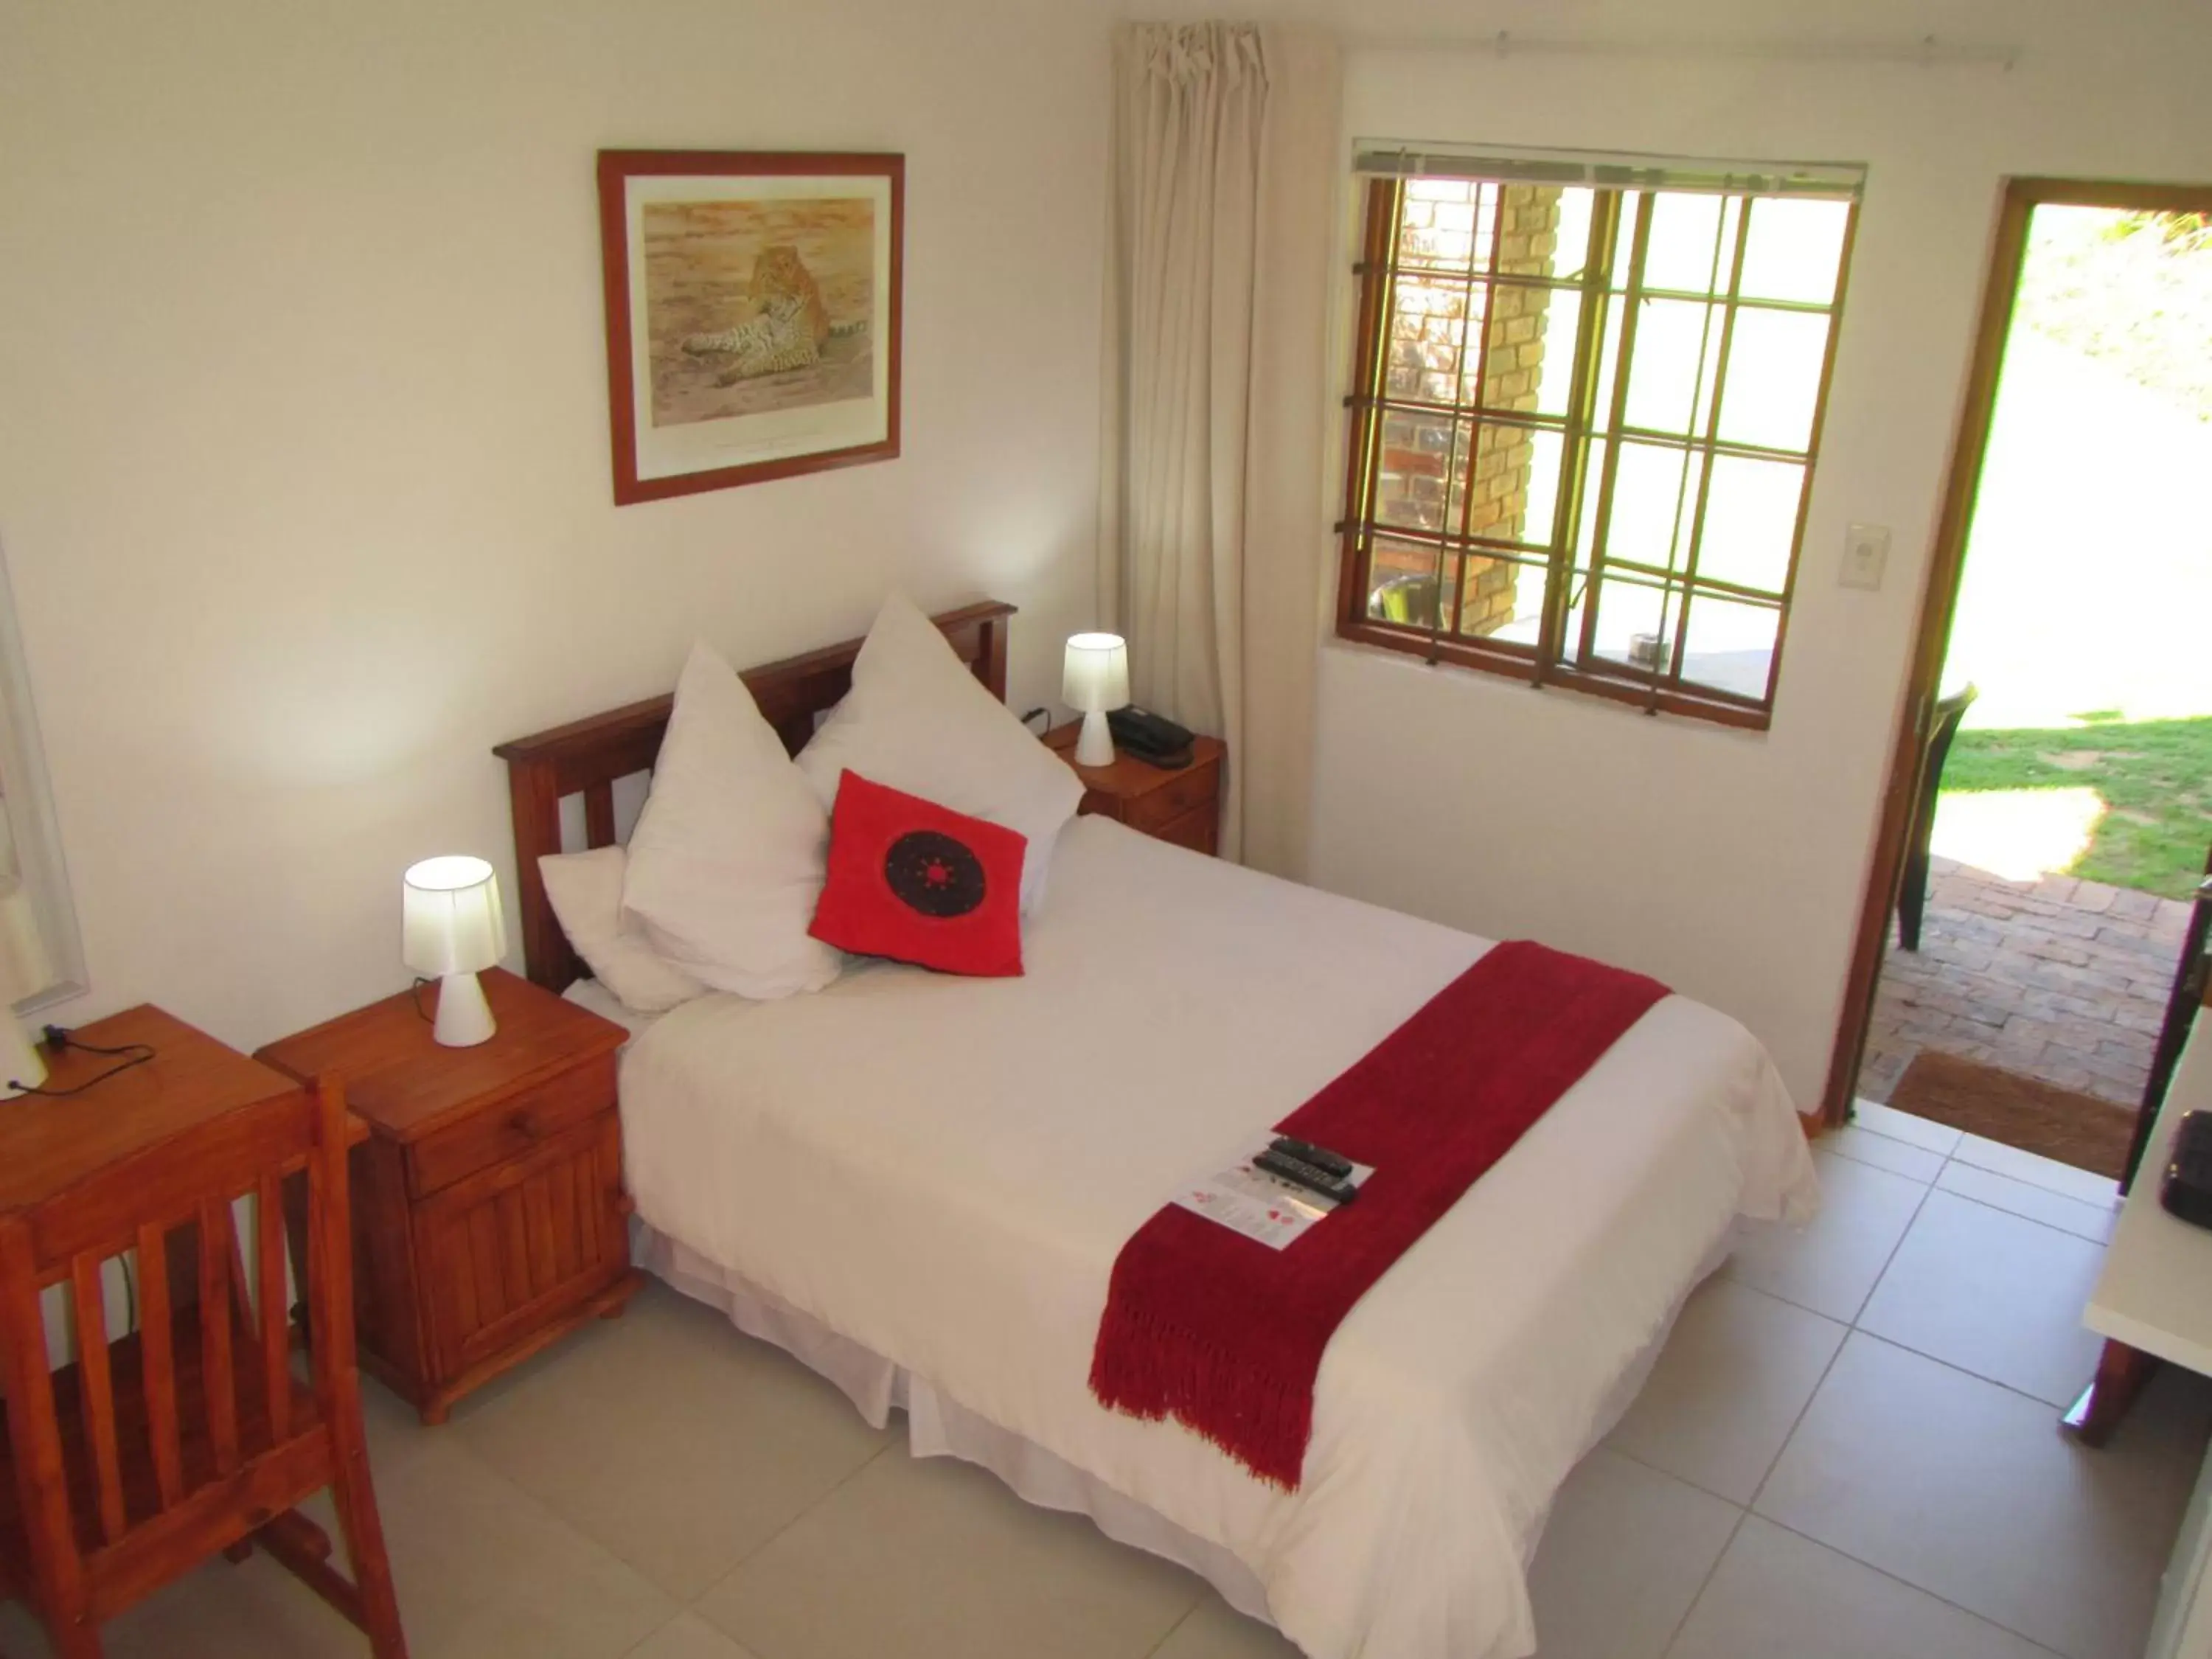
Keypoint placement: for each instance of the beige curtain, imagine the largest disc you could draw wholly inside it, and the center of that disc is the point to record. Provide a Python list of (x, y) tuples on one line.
[(1213, 519)]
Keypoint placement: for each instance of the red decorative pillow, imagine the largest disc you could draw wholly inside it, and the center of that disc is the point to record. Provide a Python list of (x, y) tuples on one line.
[(919, 883)]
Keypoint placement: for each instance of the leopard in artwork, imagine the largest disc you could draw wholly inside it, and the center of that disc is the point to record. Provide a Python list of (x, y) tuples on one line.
[(789, 326)]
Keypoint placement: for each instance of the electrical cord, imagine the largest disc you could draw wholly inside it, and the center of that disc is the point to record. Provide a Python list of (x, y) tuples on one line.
[(414, 995), (59, 1038)]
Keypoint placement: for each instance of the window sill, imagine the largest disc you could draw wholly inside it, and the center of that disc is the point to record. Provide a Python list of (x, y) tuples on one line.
[(1506, 664)]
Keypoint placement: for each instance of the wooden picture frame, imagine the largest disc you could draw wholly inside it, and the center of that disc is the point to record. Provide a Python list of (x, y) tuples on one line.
[(753, 304)]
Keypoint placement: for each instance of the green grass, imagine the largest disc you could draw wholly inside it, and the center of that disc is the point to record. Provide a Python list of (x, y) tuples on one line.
[(2155, 777)]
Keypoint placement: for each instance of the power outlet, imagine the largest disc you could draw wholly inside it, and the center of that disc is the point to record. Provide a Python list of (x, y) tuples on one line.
[(1866, 551)]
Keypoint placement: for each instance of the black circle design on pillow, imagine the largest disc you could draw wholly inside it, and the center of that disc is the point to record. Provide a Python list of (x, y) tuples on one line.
[(930, 872)]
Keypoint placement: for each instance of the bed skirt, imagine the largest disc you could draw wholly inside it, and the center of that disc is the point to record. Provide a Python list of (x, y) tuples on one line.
[(938, 1426)]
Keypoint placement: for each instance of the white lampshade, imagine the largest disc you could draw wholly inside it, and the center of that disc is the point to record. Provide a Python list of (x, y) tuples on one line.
[(22, 1065), (452, 922), (24, 971), (1097, 676)]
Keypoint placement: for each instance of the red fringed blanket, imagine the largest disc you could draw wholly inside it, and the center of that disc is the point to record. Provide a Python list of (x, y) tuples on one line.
[(1226, 1334)]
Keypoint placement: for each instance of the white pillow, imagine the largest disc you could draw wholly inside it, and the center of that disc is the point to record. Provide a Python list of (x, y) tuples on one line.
[(725, 865), (918, 719), (586, 891)]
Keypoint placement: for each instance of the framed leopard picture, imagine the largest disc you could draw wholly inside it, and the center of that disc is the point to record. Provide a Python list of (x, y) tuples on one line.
[(752, 314)]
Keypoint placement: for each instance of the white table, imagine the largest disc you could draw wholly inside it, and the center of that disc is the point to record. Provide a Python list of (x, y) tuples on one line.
[(2153, 1298), (2153, 1302)]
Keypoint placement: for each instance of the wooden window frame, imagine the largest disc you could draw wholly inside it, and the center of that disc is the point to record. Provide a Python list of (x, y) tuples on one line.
[(1549, 661)]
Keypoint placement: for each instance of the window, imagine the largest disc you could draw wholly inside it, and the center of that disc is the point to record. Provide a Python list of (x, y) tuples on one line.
[(41, 961), (1586, 405)]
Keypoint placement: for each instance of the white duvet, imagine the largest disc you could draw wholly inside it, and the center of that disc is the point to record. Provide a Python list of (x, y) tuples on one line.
[(942, 1171)]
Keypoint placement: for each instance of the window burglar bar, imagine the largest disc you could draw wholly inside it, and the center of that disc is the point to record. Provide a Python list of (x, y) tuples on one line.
[(1584, 411)]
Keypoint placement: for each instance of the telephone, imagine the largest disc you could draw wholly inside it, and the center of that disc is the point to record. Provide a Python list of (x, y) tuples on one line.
[(1149, 737), (2187, 1190)]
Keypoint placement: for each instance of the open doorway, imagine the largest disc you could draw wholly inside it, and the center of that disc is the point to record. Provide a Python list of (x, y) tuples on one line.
[(2052, 809)]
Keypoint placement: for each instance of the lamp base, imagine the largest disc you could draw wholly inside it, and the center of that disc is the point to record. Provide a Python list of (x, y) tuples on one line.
[(1094, 746), (464, 1017), (22, 1065)]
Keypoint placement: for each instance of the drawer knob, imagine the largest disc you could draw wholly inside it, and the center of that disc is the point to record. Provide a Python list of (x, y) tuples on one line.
[(523, 1125)]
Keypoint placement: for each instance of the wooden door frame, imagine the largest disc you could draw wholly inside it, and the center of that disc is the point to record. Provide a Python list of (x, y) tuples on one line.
[(1940, 597)]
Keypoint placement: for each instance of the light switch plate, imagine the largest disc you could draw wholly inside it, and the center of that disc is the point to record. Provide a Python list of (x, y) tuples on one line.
[(1866, 551)]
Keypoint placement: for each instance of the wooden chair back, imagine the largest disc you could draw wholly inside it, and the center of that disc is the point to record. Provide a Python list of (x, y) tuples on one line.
[(191, 1433)]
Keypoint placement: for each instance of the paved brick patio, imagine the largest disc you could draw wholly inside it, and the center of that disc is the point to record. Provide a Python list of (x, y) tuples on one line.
[(2060, 979)]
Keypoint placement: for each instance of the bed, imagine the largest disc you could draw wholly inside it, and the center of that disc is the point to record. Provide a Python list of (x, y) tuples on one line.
[(918, 1184)]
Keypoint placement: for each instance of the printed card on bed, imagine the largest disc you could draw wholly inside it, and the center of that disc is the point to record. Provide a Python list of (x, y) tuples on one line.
[(919, 883), (1258, 1205)]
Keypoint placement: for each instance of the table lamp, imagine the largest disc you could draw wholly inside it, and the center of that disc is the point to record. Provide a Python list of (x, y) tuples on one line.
[(22, 1065), (451, 928), (24, 971), (1094, 679)]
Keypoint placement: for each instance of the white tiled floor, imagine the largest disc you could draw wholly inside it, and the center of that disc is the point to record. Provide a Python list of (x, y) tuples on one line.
[(1848, 1450)]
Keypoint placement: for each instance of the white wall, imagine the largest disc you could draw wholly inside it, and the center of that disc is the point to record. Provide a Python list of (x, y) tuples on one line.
[(1731, 864), (303, 450), (303, 470)]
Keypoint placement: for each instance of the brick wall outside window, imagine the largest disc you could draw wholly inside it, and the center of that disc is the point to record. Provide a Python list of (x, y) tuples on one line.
[(1426, 343)]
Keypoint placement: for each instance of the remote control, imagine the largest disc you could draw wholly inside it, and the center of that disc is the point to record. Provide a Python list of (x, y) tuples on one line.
[(1299, 1173), (1320, 1157)]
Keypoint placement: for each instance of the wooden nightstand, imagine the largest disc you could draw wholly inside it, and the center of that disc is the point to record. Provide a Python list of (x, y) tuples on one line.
[(488, 1213), (1182, 806)]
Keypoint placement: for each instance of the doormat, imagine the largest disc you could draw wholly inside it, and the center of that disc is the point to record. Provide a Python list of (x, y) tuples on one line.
[(2035, 1116)]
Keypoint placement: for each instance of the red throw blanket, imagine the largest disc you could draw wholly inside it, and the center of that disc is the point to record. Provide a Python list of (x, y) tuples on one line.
[(1225, 1334)]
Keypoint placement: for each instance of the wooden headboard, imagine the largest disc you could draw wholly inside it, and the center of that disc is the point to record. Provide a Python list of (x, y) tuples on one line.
[(585, 757)]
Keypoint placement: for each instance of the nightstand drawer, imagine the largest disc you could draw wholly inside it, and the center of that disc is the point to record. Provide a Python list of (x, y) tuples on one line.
[(1194, 787), (1200, 829), (511, 1128)]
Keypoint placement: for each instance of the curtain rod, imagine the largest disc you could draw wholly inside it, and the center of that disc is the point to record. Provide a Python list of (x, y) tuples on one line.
[(1927, 52)]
